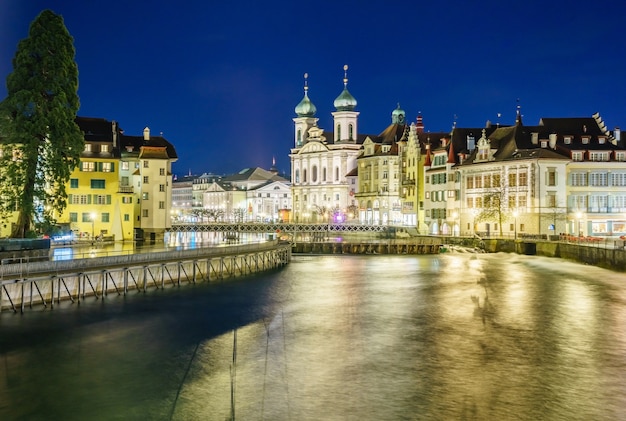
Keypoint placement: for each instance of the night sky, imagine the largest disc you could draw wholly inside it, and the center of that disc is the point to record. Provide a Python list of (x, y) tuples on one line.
[(221, 79)]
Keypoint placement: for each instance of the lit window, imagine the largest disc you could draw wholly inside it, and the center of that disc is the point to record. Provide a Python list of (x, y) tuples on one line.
[(104, 148), (88, 166)]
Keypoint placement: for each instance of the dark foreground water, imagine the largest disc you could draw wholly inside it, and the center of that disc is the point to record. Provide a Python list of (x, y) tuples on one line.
[(447, 337)]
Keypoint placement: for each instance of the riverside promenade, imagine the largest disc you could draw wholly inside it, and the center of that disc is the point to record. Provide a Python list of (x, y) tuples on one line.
[(46, 283)]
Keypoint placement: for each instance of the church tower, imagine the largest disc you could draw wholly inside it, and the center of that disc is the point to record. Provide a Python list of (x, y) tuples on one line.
[(306, 117), (345, 118)]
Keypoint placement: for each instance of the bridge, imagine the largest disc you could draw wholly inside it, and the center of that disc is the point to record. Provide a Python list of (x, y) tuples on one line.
[(280, 227)]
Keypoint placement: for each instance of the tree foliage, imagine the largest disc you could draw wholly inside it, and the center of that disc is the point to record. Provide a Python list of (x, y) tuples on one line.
[(41, 142)]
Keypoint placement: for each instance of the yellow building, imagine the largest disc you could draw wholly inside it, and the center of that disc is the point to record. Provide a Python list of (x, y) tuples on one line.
[(122, 187)]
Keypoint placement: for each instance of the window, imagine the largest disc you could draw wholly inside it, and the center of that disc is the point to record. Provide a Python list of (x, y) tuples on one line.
[(469, 182), (336, 173), (161, 187), (126, 217), (297, 176), (620, 156), (105, 217), (87, 147), (107, 167), (145, 164), (512, 179), (338, 134), (523, 179), (127, 199), (97, 184), (74, 183), (551, 200), (161, 204), (551, 177), (100, 199), (324, 174), (144, 213), (104, 148), (579, 179), (598, 156), (124, 165), (314, 174), (145, 179), (350, 131), (577, 156), (88, 166), (161, 171), (86, 217), (304, 175), (618, 179), (598, 179), (144, 196), (73, 217)]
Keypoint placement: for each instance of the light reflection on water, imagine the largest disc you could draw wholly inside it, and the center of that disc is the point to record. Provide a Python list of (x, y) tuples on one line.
[(454, 336)]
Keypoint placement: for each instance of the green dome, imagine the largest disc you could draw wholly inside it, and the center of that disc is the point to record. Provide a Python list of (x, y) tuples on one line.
[(305, 108), (398, 116), (345, 101)]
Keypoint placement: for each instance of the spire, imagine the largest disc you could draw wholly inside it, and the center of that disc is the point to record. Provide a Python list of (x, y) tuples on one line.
[(451, 157), (427, 161), (345, 101), (420, 123), (305, 108), (518, 116)]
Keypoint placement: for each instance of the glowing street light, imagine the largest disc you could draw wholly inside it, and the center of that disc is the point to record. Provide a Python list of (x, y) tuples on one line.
[(579, 217), (93, 220)]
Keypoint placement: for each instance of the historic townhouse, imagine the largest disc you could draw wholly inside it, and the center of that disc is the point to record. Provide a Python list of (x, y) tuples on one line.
[(122, 187), (379, 194), (595, 174), (321, 161), (411, 179), (269, 202), (565, 175)]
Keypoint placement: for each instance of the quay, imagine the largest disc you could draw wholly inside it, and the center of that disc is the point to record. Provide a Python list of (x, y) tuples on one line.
[(418, 246), (45, 283)]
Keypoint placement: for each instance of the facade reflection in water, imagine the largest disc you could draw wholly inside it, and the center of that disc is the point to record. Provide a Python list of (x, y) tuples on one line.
[(454, 336)]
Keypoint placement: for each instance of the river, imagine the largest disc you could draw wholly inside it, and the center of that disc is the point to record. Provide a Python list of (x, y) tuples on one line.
[(456, 336)]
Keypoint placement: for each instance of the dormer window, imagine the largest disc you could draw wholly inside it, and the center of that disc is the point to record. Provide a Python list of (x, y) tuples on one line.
[(585, 140), (104, 148), (87, 147), (567, 140), (577, 156), (601, 140), (620, 156), (544, 143)]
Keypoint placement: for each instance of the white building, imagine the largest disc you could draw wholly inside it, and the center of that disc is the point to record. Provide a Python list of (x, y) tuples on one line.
[(321, 161)]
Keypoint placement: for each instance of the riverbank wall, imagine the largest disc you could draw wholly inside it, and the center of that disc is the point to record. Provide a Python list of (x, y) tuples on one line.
[(33, 284), (426, 245), (608, 255)]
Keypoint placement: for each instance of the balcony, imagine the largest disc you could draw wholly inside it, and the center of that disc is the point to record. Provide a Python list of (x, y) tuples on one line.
[(125, 189)]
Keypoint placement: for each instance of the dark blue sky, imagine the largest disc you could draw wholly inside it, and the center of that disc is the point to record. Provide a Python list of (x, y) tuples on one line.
[(221, 79)]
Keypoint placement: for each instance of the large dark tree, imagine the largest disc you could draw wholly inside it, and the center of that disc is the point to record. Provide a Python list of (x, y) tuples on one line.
[(41, 141)]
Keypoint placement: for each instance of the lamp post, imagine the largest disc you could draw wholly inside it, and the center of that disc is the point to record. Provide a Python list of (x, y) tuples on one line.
[(93, 220), (579, 217), (455, 215), (515, 214)]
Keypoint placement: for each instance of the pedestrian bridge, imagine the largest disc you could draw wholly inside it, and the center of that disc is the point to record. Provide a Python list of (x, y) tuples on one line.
[(278, 227)]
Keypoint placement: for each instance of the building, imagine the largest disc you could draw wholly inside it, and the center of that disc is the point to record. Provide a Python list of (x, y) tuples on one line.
[(321, 160), (122, 186)]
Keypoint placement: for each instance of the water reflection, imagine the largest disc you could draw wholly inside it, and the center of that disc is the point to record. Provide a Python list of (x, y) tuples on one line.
[(454, 336)]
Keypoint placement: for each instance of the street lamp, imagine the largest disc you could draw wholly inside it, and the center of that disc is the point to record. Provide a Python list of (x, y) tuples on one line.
[(455, 215), (93, 220), (579, 217), (515, 214)]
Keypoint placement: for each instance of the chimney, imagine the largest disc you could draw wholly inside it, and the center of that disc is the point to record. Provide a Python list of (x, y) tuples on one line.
[(552, 140), (617, 134), (146, 133), (114, 133)]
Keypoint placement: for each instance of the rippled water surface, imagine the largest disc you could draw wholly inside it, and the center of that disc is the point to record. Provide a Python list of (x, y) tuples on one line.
[(456, 336)]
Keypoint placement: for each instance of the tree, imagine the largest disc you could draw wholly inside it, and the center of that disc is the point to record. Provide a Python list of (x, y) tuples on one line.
[(41, 142), (494, 207)]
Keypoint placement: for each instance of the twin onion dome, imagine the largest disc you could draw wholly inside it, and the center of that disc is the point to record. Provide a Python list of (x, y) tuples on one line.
[(344, 102)]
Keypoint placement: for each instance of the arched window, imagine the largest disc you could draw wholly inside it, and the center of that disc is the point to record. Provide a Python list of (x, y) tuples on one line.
[(299, 137), (324, 174), (336, 173), (351, 131), (338, 133), (297, 176), (314, 174), (304, 175)]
